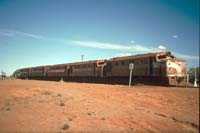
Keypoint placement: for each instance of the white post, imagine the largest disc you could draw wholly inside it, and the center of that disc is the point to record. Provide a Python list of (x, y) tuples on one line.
[(188, 79), (188, 76), (195, 78), (130, 77), (61, 80), (131, 67)]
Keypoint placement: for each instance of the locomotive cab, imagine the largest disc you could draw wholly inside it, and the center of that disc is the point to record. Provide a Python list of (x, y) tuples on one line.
[(164, 55), (167, 65)]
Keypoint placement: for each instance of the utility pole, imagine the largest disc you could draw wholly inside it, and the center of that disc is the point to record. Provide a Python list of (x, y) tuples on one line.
[(82, 57)]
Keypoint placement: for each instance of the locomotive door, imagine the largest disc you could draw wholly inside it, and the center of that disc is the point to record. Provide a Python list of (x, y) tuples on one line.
[(108, 69), (97, 71), (101, 71), (70, 70), (151, 66)]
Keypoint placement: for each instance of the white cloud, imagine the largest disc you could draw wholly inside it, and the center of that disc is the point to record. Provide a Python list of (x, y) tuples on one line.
[(6, 34), (134, 48), (123, 54), (175, 36), (99, 45), (161, 47), (19, 33), (111, 46), (30, 35)]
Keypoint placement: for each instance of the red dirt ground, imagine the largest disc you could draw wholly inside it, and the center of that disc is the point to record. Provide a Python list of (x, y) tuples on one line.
[(44, 106)]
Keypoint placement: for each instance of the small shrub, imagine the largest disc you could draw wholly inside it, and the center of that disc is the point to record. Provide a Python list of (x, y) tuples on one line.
[(103, 118), (59, 95), (62, 104), (70, 119), (65, 127), (47, 93), (7, 109), (180, 79), (89, 113)]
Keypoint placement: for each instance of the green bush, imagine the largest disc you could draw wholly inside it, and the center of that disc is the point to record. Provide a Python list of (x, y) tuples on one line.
[(62, 104), (65, 127), (179, 79)]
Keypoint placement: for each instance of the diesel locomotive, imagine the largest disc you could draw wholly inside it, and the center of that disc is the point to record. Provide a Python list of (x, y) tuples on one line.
[(161, 68)]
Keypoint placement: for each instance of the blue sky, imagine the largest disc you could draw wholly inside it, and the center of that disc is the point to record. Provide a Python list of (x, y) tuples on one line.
[(42, 32)]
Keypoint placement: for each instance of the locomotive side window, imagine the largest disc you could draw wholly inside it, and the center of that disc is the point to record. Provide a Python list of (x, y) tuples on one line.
[(161, 57), (116, 63)]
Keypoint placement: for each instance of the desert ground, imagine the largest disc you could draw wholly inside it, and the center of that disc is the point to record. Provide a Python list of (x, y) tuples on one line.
[(46, 106)]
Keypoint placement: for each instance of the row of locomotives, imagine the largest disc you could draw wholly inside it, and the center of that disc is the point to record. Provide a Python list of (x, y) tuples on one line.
[(154, 68), (87, 71)]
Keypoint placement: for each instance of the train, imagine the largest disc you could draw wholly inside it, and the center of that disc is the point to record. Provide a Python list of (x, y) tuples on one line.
[(160, 68)]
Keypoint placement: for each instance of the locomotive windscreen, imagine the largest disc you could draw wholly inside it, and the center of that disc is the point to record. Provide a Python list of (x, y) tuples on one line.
[(162, 57)]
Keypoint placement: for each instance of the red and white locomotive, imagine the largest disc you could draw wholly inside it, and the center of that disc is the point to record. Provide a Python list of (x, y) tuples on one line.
[(160, 68)]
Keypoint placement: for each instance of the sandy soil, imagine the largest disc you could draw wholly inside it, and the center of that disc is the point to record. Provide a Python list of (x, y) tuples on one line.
[(44, 106)]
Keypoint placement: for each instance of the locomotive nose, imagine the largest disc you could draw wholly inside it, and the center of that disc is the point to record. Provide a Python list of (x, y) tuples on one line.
[(176, 69)]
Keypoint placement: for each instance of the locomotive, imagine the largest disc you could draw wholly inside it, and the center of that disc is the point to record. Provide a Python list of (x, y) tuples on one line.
[(161, 68)]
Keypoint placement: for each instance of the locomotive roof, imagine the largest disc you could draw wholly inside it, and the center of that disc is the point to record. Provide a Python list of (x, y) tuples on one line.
[(136, 56), (83, 62)]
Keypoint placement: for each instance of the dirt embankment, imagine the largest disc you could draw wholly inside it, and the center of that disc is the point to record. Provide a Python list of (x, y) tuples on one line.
[(43, 106)]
